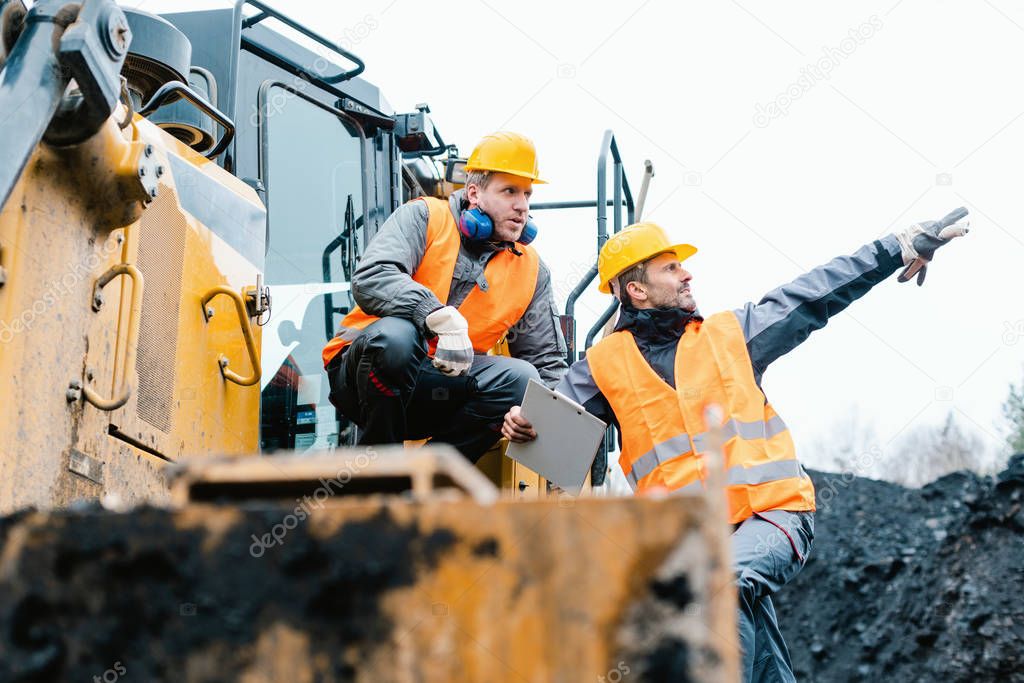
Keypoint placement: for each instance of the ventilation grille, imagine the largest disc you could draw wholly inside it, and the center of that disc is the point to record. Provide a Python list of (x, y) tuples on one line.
[(161, 259)]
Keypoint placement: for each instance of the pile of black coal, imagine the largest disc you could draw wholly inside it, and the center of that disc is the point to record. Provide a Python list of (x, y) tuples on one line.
[(912, 584)]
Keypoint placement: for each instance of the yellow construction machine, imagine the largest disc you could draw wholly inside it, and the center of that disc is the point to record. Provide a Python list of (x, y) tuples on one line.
[(184, 199)]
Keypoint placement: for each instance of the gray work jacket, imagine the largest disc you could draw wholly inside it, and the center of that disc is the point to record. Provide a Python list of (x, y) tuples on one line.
[(383, 286)]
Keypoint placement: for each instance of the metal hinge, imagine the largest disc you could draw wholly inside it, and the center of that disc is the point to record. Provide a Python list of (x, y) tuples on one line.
[(258, 301)]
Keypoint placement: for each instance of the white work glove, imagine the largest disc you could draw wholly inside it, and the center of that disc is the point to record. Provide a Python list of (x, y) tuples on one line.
[(454, 354), (919, 242)]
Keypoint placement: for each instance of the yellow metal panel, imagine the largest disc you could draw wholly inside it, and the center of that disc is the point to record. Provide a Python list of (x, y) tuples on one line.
[(57, 235)]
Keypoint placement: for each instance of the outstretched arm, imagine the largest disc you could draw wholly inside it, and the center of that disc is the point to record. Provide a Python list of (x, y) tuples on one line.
[(786, 316)]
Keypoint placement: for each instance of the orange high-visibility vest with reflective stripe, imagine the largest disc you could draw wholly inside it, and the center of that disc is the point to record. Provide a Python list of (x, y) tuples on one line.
[(511, 282), (664, 430)]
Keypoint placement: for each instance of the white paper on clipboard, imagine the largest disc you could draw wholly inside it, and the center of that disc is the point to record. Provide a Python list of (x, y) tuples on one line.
[(567, 438)]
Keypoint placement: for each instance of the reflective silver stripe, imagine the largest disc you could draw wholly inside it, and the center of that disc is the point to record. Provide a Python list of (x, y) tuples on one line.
[(699, 442), (746, 430), (668, 449), (757, 429), (680, 445), (765, 472), (775, 426), (692, 489)]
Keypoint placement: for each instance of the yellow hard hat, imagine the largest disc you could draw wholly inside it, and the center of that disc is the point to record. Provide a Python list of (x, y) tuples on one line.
[(505, 152), (634, 245)]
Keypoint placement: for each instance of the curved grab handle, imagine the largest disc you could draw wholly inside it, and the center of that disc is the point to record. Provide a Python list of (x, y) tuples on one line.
[(134, 315), (163, 95), (250, 344), (266, 12)]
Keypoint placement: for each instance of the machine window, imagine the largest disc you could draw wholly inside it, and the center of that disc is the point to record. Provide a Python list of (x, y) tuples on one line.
[(314, 178)]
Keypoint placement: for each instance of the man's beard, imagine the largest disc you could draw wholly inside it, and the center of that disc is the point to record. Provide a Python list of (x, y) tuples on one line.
[(508, 232)]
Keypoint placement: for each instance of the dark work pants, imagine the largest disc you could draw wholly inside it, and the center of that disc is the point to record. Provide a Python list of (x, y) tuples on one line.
[(769, 549), (386, 384)]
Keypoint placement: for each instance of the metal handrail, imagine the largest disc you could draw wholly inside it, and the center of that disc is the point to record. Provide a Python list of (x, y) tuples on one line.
[(576, 204), (645, 185), (345, 238), (250, 342), (267, 12), (240, 22), (134, 316), (182, 90), (601, 321), (622, 195)]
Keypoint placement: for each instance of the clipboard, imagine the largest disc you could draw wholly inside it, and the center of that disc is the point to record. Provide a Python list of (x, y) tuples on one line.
[(567, 438)]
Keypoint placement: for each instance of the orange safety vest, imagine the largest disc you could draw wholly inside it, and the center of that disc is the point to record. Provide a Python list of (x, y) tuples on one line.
[(664, 431), (511, 283)]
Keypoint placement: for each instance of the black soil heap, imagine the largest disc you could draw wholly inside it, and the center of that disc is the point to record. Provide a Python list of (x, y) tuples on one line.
[(99, 594), (912, 584)]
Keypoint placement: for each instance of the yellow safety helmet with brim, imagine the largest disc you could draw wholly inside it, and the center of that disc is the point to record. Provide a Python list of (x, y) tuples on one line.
[(505, 152), (635, 244)]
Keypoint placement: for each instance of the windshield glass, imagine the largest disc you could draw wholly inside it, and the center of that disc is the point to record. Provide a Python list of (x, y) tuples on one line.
[(314, 177)]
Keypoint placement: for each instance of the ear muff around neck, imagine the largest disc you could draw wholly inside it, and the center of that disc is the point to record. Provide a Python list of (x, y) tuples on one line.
[(529, 233), (478, 226)]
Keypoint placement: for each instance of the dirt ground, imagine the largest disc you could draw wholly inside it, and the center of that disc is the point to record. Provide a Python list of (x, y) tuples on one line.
[(912, 584)]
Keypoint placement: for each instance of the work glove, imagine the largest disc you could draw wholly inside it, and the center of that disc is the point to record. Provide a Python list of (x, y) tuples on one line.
[(919, 242), (454, 354)]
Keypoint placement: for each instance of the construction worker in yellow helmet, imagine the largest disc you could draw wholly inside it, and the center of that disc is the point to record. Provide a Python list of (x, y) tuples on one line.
[(438, 286), (665, 365)]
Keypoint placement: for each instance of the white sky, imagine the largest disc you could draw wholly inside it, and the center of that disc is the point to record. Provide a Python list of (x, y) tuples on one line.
[(920, 117)]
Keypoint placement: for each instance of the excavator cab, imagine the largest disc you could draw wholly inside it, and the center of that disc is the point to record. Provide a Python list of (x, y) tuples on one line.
[(331, 160)]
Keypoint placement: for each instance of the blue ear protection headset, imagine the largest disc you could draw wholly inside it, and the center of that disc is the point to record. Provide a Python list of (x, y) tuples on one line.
[(477, 226)]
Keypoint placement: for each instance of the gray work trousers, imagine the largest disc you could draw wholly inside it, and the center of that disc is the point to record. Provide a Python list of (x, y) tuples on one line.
[(769, 549), (385, 383)]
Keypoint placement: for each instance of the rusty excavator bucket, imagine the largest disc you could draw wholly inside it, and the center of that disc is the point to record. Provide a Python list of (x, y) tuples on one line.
[(282, 569)]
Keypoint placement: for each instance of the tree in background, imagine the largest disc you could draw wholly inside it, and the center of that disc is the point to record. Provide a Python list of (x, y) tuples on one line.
[(921, 455), (927, 453), (850, 445), (1013, 411)]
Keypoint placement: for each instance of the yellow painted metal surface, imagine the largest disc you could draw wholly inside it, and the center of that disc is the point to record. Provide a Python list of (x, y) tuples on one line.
[(383, 590), (74, 214)]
